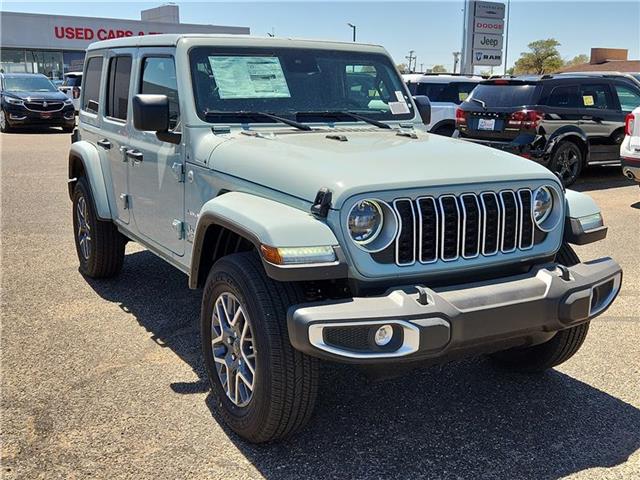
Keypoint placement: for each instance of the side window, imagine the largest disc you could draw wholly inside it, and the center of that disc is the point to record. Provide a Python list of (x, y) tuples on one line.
[(91, 90), (565, 96), (596, 96), (118, 87), (464, 89), (159, 77), (629, 99)]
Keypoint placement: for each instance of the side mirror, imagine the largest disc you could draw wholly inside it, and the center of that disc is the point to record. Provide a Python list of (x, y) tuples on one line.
[(151, 113), (424, 108)]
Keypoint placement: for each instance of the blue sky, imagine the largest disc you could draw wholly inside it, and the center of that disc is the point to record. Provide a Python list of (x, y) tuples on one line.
[(432, 28)]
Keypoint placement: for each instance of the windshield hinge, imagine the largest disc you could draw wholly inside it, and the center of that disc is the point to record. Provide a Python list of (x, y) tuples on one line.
[(220, 129), (178, 171), (322, 203)]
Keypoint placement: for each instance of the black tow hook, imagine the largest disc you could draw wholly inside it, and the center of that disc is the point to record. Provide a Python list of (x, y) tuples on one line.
[(423, 296)]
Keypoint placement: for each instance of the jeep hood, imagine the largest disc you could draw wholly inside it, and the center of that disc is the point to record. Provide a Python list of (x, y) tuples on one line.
[(300, 163)]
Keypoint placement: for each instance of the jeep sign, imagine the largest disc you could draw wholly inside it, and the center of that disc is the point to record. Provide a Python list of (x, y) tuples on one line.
[(486, 41), (491, 58)]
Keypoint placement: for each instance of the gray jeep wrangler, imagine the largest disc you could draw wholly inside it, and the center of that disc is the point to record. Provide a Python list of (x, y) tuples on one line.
[(294, 182)]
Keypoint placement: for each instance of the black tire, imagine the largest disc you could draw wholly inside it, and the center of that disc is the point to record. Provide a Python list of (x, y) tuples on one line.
[(560, 348), (445, 130), (4, 125), (567, 162), (104, 255), (68, 129), (284, 392)]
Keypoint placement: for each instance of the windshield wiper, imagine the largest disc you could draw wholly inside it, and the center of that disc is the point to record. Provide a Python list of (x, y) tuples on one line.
[(339, 113), (217, 113), (484, 105)]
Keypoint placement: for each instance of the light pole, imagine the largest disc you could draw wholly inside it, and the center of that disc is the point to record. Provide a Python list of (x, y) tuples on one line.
[(353, 27), (456, 59), (506, 43)]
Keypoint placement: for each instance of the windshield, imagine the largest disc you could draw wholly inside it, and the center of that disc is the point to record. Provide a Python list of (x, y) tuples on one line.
[(503, 95), (295, 83), (29, 84)]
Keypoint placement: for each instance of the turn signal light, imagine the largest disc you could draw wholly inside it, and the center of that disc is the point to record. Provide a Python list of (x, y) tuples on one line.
[(297, 255), (527, 119)]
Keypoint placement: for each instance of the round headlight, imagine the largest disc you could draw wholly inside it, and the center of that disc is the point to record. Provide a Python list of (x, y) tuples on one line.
[(365, 221), (542, 204)]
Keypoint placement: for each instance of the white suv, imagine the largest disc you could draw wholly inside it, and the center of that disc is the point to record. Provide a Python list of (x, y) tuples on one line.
[(446, 92), (630, 148), (71, 87)]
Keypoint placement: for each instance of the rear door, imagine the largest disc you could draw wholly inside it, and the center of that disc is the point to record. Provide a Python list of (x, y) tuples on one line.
[(600, 117), (156, 167)]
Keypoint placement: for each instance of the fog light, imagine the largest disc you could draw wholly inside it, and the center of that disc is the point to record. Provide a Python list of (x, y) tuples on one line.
[(383, 335)]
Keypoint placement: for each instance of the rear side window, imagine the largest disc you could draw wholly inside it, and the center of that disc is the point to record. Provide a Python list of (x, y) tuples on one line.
[(504, 95), (91, 90), (72, 82), (565, 96), (629, 99), (596, 96), (454, 92), (118, 87), (159, 78)]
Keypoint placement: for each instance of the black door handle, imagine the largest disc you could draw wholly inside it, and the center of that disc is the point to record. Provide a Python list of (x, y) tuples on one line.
[(135, 155), (106, 144)]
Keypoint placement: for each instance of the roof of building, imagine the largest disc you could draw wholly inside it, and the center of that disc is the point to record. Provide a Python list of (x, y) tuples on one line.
[(628, 66)]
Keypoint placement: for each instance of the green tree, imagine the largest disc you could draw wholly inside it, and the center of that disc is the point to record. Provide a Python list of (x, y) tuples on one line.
[(543, 57), (438, 69), (577, 60)]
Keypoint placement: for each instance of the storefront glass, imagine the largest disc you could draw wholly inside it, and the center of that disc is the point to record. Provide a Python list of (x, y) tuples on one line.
[(12, 61), (46, 62)]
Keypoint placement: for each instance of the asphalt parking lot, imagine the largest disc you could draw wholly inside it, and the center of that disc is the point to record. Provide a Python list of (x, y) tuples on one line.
[(104, 379)]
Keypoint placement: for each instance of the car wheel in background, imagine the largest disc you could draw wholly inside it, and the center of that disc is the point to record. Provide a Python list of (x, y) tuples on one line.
[(567, 162), (445, 130)]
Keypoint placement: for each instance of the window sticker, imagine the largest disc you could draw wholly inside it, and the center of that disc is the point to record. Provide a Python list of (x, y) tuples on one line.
[(587, 100), (462, 96), (249, 77), (398, 108)]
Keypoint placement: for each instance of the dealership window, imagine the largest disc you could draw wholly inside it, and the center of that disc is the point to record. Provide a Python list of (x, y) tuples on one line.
[(118, 87), (47, 62), (73, 61), (159, 78), (91, 89), (12, 61)]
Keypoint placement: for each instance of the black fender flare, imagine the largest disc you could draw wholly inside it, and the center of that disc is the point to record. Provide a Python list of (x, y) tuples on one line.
[(564, 133)]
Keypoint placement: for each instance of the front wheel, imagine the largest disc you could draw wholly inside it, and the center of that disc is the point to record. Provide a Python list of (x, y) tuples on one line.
[(265, 389), (4, 123), (566, 162), (560, 348)]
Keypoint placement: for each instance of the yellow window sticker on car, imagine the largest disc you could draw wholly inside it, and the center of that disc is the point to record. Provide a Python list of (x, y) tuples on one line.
[(462, 96), (587, 100)]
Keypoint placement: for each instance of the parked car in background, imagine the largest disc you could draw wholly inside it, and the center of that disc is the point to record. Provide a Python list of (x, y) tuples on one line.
[(32, 99), (294, 182), (446, 92), (633, 76), (630, 148), (72, 87), (565, 122)]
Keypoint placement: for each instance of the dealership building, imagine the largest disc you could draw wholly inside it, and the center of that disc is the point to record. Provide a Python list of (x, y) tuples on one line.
[(56, 44)]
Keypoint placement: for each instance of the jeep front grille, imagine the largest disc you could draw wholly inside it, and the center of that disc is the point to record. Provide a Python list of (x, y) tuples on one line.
[(466, 226)]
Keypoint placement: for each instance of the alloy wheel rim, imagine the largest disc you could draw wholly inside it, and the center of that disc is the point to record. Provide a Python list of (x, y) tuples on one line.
[(233, 349), (84, 230), (567, 165)]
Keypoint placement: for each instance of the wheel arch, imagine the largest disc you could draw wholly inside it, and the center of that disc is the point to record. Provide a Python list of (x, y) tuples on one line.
[(84, 161), (571, 134), (448, 122)]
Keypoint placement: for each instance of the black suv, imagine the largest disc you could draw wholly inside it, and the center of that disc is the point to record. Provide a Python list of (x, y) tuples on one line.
[(31, 99), (564, 122)]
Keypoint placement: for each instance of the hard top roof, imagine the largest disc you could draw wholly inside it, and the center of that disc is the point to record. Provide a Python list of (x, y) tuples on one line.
[(172, 39)]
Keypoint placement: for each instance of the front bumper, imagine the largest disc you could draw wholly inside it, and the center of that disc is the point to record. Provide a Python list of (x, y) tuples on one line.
[(17, 115), (428, 323)]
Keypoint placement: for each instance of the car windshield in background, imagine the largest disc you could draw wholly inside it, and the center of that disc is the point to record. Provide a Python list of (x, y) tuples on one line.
[(29, 84), (296, 84), (510, 95), (455, 92)]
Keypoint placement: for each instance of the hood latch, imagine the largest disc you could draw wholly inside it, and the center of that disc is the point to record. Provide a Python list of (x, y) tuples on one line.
[(322, 203)]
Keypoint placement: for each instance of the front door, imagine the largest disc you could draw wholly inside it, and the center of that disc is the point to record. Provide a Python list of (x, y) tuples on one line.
[(599, 118), (156, 178)]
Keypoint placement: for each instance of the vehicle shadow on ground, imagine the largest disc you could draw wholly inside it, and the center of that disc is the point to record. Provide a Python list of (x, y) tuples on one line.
[(36, 130), (601, 178), (461, 420)]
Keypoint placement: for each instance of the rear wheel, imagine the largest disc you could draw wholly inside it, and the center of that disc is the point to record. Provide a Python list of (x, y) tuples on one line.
[(560, 348), (445, 130), (265, 389), (567, 162), (99, 244)]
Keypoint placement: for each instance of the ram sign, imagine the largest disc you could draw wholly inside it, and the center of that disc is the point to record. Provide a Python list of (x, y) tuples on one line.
[(485, 27)]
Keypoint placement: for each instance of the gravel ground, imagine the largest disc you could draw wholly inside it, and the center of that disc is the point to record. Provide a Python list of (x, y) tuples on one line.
[(104, 379)]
